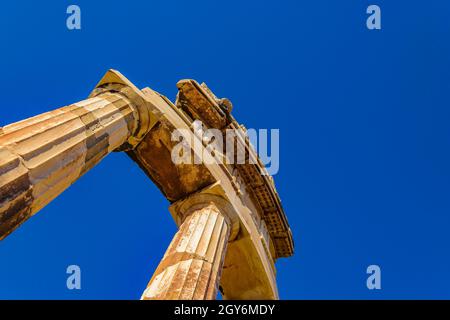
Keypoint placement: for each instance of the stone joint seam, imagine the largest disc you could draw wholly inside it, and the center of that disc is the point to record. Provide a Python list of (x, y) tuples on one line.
[(176, 258)]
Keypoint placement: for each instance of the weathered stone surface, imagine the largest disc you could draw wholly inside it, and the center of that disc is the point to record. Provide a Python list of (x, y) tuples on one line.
[(153, 155), (200, 103), (229, 214), (191, 266), (42, 156), (175, 180), (264, 195)]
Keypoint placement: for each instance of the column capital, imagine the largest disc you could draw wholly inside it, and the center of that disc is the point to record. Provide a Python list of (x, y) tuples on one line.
[(210, 196), (146, 115)]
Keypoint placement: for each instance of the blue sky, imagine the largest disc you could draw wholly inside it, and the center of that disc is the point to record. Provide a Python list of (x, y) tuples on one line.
[(364, 137)]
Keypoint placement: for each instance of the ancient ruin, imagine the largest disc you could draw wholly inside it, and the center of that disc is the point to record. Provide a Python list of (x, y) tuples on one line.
[(232, 226)]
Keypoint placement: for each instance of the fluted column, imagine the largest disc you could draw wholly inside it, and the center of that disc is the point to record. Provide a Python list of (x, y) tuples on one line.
[(192, 265), (41, 156)]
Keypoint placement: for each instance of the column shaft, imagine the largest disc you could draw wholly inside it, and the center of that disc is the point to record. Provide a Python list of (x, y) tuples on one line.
[(191, 266), (41, 156)]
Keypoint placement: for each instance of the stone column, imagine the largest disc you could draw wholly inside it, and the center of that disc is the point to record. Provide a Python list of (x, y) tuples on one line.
[(192, 265), (41, 156)]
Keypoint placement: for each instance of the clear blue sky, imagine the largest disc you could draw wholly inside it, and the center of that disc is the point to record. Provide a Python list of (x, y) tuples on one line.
[(364, 125)]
